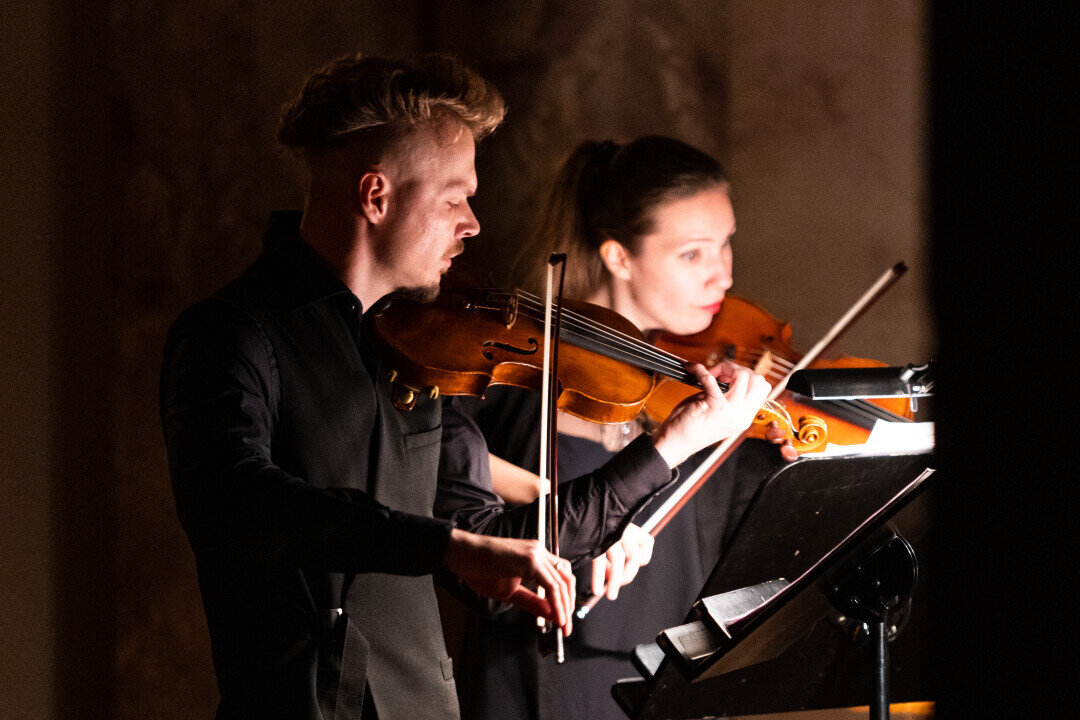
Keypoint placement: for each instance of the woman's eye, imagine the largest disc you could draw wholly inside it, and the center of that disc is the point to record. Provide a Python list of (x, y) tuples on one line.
[(690, 255)]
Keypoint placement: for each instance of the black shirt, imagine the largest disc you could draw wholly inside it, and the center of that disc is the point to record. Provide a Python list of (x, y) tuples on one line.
[(302, 490), (594, 507)]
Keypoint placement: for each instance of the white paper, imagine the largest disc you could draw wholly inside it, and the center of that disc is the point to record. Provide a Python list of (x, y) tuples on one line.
[(886, 438)]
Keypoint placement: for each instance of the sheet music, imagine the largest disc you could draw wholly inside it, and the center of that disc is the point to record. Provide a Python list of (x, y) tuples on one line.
[(886, 438)]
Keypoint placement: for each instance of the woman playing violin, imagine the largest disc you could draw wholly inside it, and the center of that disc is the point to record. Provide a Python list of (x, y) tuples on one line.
[(647, 228)]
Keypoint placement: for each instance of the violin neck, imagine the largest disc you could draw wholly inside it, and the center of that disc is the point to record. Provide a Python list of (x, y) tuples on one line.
[(632, 351)]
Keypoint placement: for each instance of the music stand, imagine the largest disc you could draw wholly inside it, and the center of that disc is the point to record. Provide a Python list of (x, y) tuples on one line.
[(810, 525)]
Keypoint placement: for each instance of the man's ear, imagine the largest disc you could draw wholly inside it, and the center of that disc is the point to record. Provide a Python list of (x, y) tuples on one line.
[(372, 196), (615, 258)]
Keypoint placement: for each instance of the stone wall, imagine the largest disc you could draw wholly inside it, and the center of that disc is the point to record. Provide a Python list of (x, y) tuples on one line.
[(816, 110), (147, 136)]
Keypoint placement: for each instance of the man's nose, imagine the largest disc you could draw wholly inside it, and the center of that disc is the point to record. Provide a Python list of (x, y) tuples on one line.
[(469, 225)]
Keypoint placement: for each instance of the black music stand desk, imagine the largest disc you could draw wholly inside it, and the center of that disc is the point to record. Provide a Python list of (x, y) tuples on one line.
[(766, 634)]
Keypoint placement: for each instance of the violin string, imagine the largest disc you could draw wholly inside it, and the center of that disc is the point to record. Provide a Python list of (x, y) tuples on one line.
[(642, 354), (636, 350), (868, 410), (625, 346), (756, 355), (670, 364), (751, 356), (628, 343), (639, 353), (865, 410)]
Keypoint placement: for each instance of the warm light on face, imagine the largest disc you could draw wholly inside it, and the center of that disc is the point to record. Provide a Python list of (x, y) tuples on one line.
[(435, 176), (682, 270)]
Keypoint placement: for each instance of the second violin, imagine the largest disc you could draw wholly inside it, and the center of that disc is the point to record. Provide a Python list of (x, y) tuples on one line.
[(747, 334)]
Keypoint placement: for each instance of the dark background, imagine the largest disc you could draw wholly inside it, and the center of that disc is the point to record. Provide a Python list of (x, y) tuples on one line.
[(139, 166)]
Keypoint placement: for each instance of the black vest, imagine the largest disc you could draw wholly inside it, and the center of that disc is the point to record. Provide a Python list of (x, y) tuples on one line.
[(279, 651)]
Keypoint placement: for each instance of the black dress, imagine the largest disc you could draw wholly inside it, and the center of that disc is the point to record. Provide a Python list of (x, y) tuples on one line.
[(501, 674)]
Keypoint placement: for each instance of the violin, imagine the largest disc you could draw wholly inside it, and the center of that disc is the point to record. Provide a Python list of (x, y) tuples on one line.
[(747, 334), (470, 338)]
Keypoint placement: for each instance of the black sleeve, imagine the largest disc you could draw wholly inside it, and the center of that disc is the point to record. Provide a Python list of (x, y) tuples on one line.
[(594, 509), (219, 395)]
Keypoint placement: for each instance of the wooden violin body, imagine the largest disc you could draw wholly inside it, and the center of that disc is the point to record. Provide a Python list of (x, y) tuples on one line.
[(468, 339), (742, 332), (747, 334)]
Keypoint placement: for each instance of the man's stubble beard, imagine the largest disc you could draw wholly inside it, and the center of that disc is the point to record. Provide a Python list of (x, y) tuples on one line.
[(428, 293), (424, 294)]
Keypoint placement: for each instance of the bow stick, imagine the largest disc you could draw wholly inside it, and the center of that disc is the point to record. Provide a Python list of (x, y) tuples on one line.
[(548, 505), (675, 502)]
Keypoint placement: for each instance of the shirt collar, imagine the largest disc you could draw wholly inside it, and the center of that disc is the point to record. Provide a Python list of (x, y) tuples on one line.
[(309, 280)]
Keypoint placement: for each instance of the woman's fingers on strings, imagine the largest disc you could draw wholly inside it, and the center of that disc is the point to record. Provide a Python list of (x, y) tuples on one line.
[(724, 371), (709, 386), (739, 383)]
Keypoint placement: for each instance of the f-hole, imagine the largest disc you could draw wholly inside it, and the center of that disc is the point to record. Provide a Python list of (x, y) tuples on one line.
[(533, 347)]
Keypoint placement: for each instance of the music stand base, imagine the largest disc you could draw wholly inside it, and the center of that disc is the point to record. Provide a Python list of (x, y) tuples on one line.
[(878, 584)]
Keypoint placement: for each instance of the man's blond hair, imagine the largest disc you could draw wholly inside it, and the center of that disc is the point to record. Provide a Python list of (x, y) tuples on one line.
[(354, 94)]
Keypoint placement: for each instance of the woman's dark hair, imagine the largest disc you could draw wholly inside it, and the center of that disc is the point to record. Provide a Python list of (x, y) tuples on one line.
[(608, 191)]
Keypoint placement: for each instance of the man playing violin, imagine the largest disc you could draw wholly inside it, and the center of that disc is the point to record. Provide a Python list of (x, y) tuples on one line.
[(306, 496)]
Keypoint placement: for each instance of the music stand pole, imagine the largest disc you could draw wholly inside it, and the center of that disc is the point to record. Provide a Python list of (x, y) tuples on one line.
[(879, 643)]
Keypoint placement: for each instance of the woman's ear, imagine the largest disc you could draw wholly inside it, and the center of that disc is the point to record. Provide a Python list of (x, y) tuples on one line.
[(615, 258), (372, 195)]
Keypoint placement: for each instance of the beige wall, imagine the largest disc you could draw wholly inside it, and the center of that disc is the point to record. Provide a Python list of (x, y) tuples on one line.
[(26, 348), (815, 109), (149, 185), (827, 153)]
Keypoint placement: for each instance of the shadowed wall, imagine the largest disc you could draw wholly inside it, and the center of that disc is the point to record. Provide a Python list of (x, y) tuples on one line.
[(156, 167), (816, 111)]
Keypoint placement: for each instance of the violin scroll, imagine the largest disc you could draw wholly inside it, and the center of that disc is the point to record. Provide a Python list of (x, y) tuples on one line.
[(775, 424)]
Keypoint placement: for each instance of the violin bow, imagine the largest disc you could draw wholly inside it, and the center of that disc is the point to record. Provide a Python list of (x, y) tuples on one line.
[(675, 502), (548, 506)]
